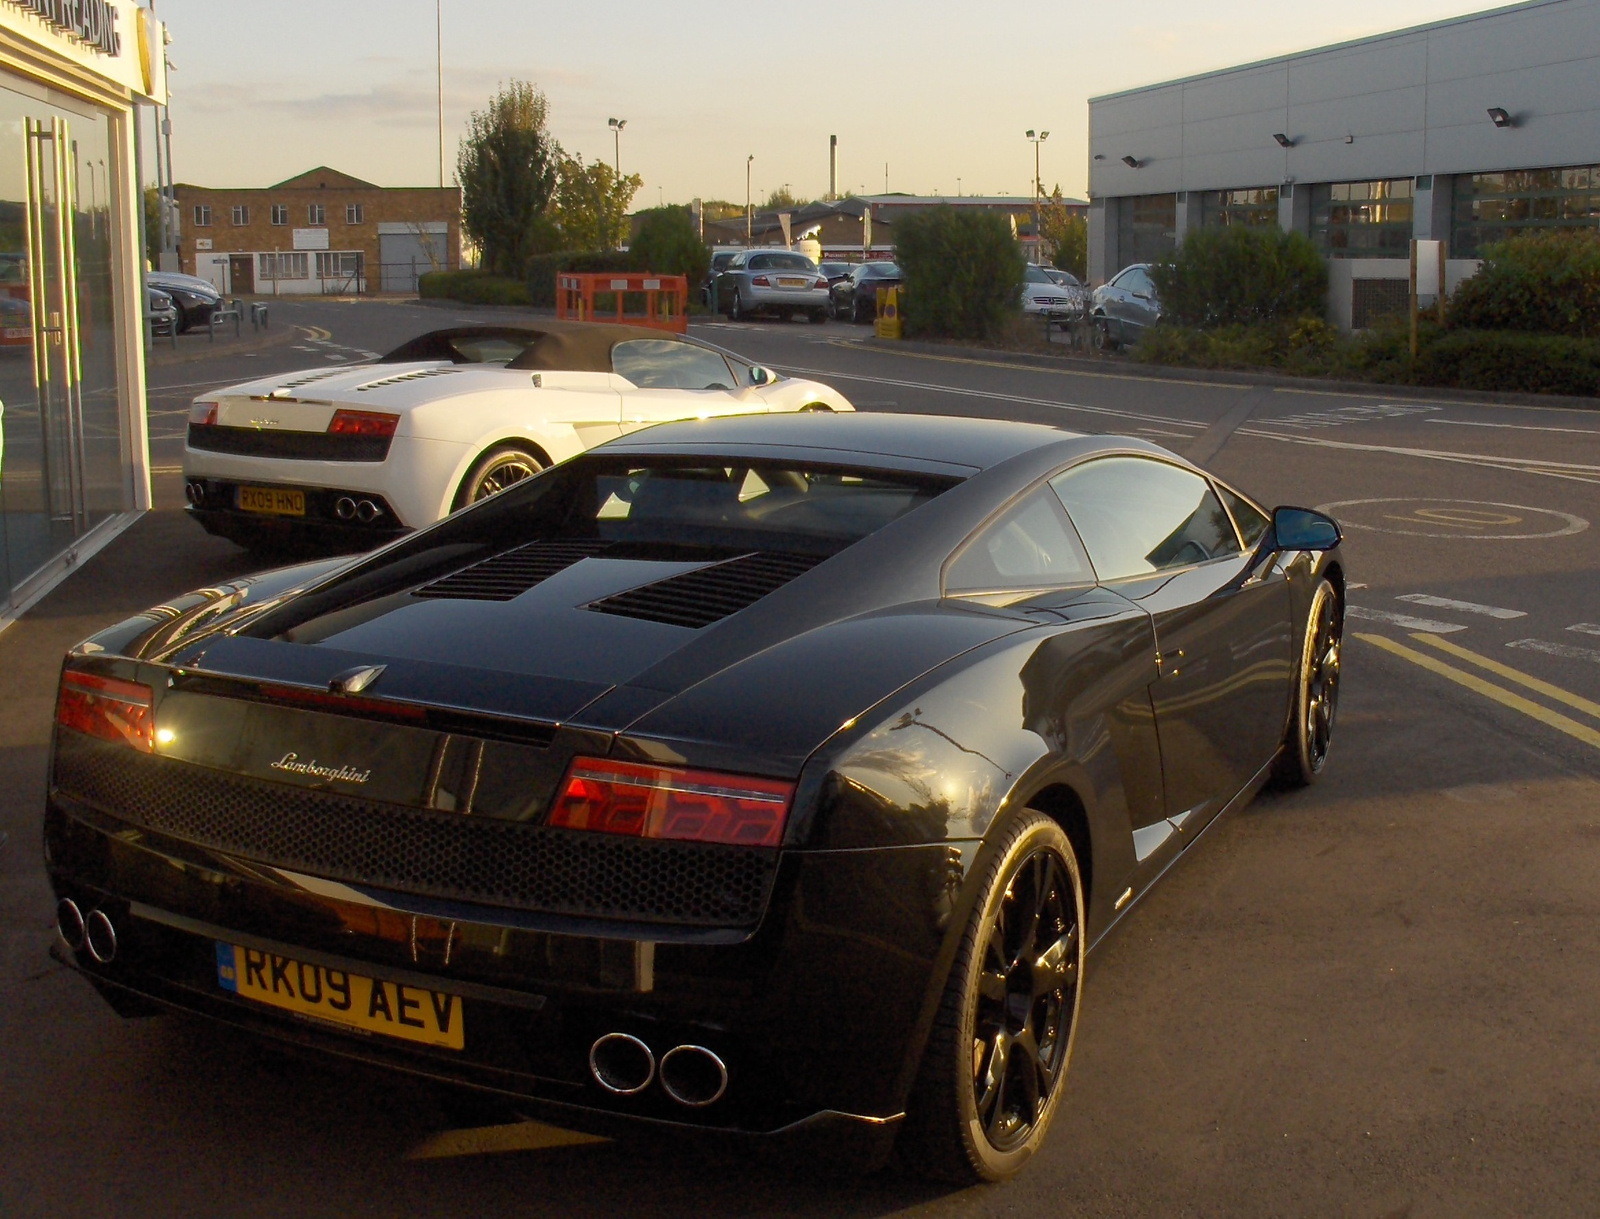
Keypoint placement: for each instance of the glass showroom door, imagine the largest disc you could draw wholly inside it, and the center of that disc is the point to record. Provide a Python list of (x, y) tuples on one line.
[(62, 467)]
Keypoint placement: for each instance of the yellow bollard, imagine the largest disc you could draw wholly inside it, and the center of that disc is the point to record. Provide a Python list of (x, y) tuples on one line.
[(888, 321)]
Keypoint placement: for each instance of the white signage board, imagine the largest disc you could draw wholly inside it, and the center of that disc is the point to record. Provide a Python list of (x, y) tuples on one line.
[(114, 39), (311, 239), (1428, 268)]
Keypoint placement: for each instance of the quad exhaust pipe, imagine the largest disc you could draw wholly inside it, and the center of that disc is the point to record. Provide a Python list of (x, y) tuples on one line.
[(93, 932), (624, 1065)]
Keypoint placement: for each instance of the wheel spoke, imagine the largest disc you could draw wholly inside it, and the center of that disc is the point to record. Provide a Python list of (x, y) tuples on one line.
[(1057, 966), (1031, 1076), (991, 1079)]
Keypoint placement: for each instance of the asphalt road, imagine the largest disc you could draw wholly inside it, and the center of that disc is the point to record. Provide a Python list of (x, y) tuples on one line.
[(1374, 998)]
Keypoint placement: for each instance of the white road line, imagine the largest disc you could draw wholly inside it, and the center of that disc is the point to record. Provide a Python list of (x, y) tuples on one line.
[(1517, 465), (1585, 628), (1516, 427), (1403, 620), (1465, 607), (1353, 586), (992, 396), (1564, 650)]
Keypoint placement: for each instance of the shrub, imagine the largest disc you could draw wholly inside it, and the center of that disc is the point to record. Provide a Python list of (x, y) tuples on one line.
[(962, 272), (666, 242), (1236, 275), (1546, 281), (543, 268), (472, 288), (1510, 361)]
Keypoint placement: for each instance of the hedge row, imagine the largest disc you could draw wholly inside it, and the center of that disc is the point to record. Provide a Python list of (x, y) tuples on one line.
[(472, 288)]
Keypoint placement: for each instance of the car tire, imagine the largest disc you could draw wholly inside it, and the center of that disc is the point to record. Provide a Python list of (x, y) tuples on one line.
[(1102, 335), (1316, 691), (818, 316), (967, 1121), (855, 312), (736, 311), (500, 467)]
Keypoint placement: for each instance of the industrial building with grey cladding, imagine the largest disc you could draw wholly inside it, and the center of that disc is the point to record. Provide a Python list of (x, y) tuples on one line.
[(1465, 131)]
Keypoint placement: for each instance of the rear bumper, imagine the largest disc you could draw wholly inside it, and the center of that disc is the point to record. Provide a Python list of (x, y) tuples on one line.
[(785, 298), (321, 529), (820, 1019)]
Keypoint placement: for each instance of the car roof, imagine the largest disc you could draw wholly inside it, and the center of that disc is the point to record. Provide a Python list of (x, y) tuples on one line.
[(552, 345), (892, 439)]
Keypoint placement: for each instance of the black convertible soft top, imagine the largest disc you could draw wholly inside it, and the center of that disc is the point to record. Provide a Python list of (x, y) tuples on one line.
[(550, 346)]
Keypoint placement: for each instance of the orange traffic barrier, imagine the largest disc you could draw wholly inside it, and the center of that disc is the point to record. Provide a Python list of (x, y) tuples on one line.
[(659, 301)]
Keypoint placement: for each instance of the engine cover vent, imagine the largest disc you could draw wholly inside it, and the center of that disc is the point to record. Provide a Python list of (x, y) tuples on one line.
[(708, 594), (419, 375), (511, 573)]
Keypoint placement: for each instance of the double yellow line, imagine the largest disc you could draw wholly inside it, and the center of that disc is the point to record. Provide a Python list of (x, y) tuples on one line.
[(1562, 723)]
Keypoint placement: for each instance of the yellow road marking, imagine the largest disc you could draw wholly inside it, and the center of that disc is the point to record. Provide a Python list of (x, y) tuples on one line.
[(1516, 702), (490, 1140), (317, 332), (1516, 675)]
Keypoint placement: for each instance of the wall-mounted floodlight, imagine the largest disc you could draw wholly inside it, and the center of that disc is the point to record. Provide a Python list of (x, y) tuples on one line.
[(1283, 140), (1499, 117), (1131, 162), (1099, 156)]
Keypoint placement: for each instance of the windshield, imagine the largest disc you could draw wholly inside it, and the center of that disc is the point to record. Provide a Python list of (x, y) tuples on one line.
[(880, 270), (1035, 275)]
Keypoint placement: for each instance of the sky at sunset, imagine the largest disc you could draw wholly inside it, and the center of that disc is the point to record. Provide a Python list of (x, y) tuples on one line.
[(939, 90)]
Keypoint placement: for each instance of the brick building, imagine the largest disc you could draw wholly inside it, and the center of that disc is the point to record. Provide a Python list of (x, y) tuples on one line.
[(319, 232)]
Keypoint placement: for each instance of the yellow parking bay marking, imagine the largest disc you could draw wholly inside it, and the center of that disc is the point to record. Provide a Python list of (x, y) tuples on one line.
[(1510, 674), (1516, 702), (491, 1140)]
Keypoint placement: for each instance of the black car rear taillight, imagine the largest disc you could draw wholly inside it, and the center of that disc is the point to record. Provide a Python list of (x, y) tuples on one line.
[(644, 801), (104, 707)]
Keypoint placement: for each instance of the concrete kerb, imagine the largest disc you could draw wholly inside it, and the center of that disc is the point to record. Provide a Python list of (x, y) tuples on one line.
[(1114, 366)]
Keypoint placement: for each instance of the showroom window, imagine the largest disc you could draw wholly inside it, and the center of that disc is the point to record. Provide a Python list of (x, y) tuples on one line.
[(316, 214), (280, 213), (1492, 207), (241, 214), (354, 213), (1254, 207), (283, 266), (202, 215), (1362, 219), (1147, 228)]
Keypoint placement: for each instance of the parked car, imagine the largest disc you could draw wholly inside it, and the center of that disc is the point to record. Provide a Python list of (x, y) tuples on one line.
[(856, 297), (159, 307), (1123, 308), (765, 779), (721, 256), (777, 282), (16, 322), (833, 272), (357, 455), (196, 299), (1043, 296)]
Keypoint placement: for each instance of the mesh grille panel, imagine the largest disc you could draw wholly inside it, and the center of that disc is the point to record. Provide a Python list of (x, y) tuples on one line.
[(298, 446), (512, 573), (441, 855), (699, 598)]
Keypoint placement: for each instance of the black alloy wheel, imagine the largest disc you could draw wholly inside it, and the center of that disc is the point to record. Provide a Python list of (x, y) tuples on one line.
[(1316, 694), (991, 1076), (501, 467)]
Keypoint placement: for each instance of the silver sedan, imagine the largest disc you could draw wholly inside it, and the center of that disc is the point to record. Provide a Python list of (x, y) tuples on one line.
[(778, 282)]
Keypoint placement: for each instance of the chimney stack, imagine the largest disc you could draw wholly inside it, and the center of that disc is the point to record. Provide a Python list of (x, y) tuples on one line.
[(833, 167)]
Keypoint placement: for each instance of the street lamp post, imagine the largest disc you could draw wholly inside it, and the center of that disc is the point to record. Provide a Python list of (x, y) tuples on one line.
[(1038, 188), (749, 227), (616, 126)]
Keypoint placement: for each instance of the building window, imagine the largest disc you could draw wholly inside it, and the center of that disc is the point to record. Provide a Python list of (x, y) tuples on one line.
[(202, 215), (1362, 219), (354, 213), (316, 214), (280, 213), (1254, 207), (340, 265), (1492, 207), (241, 214), (1147, 228), (283, 266)]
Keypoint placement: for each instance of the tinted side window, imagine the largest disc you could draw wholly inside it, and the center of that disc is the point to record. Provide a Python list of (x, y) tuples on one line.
[(1032, 546), (1139, 516), (665, 364), (1251, 521)]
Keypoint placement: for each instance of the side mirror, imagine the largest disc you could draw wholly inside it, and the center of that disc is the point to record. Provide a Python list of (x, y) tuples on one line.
[(1303, 529), (762, 376)]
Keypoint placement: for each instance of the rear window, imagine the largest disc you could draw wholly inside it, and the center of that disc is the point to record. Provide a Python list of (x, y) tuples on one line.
[(738, 504), (780, 262)]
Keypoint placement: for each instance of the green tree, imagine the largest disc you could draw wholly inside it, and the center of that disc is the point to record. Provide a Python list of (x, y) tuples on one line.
[(507, 167), (962, 271), (781, 200), (666, 243), (1545, 280), (720, 209), (592, 204), (1067, 234), (1238, 275)]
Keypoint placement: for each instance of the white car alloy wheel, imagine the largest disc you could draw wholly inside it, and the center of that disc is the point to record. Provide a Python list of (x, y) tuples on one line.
[(495, 471)]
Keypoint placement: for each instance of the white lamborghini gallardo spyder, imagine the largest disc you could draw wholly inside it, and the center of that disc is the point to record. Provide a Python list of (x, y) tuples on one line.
[(356, 455)]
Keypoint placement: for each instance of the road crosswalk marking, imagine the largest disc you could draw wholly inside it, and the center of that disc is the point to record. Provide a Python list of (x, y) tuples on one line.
[(1465, 607), (1564, 650), (1585, 628), (1407, 621)]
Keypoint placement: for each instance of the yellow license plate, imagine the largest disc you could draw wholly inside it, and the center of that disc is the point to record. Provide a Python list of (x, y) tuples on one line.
[(370, 1005), (794, 283), (278, 501)]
